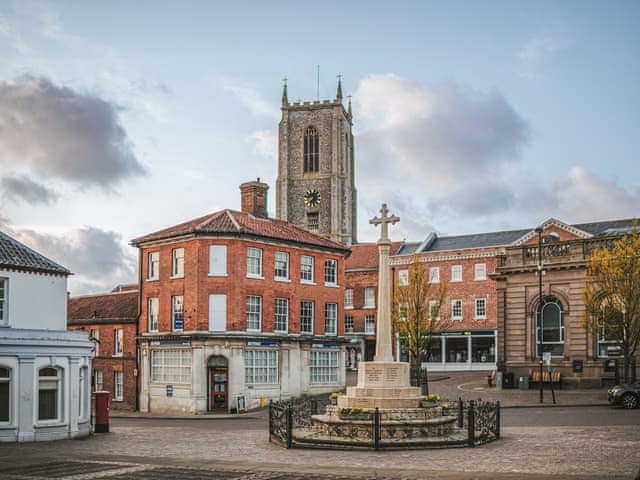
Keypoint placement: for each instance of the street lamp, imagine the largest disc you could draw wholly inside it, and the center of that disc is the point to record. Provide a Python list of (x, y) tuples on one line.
[(539, 312)]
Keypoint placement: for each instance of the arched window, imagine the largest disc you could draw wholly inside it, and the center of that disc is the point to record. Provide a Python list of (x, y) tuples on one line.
[(5, 394), (550, 327), (48, 393), (610, 329), (311, 150)]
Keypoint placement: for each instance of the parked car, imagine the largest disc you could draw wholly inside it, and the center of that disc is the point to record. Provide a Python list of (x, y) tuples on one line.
[(628, 396)]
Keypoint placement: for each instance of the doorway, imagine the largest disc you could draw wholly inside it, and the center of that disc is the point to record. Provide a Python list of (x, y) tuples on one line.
[(218, 371)]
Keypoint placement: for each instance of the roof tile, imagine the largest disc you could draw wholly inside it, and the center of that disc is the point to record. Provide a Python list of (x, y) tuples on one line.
[(14, 254)]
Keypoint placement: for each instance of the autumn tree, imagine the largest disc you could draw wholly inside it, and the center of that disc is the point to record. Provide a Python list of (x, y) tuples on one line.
[(417, 316), (612, 296)]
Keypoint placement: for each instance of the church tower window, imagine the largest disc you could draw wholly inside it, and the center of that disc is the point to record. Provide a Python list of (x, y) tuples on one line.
[(311, 150)]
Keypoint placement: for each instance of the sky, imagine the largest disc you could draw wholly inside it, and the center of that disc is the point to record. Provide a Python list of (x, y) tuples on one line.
[(121, 118)]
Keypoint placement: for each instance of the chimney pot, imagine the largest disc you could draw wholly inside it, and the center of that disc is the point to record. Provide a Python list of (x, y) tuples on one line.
[(254, 198)]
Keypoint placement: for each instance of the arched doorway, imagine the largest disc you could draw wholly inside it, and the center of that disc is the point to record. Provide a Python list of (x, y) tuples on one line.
[(218, 375)]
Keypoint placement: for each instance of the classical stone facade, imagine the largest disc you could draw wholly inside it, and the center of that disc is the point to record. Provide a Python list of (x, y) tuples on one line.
[(316, 178)]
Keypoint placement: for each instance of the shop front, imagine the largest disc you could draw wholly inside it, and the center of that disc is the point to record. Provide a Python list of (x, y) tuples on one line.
[(462, 350)]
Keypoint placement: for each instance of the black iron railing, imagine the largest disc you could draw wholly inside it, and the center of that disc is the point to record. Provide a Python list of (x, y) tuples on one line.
[(479, 419)]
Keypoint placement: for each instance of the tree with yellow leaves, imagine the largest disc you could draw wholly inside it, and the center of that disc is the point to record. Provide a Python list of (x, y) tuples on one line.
[(416, 316), (612, 296)]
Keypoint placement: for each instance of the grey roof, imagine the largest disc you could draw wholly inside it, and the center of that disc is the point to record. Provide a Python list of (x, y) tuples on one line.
[(505, 238), (16, 255)]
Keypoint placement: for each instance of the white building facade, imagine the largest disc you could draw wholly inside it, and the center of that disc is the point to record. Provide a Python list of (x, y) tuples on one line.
[(45, 382)]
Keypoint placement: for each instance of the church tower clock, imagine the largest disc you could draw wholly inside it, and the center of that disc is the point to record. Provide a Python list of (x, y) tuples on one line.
[(315, 188)]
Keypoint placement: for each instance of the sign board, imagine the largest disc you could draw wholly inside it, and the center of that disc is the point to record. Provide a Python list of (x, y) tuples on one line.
[(178, 324), (169, 390), (329, 346), (241, 404), (170, 343), (264, 344)]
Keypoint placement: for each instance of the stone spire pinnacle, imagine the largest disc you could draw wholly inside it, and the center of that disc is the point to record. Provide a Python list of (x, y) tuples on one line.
[(349, 111), (285, 97), (339, 92)]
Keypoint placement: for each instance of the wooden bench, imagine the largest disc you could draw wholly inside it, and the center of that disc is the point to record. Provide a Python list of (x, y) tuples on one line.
[(491, 378), (554, 377)]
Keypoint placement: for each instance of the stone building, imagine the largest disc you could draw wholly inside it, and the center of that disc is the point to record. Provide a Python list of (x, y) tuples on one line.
[(45, 389), (237, 306), (316, 171), (111, 320), (580, 357)]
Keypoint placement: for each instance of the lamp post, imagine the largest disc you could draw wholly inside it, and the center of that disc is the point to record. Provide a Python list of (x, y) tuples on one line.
[(539, 312)]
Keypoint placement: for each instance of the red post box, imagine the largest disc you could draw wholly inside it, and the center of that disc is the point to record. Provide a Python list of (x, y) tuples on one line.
[(101, 415)]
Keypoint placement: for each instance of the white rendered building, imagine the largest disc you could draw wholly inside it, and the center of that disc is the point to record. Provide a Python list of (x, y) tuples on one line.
[(45, 384)]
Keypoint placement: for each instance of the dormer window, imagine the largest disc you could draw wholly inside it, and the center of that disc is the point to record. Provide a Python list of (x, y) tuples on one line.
[(311, 150)]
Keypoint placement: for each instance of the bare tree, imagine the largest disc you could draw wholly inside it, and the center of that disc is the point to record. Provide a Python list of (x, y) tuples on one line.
[(417, 316)]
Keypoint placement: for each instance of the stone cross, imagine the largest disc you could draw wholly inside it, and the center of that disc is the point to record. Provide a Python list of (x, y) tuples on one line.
[(384, 220)]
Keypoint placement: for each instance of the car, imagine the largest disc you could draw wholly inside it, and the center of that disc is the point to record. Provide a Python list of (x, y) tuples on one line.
[(627, 396)]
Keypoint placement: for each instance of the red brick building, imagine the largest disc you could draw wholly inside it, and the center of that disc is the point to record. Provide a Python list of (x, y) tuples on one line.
[(235, 307), (111, 320)]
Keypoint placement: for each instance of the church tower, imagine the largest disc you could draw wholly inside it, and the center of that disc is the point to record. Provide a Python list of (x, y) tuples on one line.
[(315, 188)]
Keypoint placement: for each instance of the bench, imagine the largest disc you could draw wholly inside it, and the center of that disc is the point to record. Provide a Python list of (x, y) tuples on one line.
[(491, 378), (553, 377)]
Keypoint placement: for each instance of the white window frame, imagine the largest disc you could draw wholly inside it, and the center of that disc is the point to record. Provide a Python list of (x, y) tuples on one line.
[(348, 299), (254, 259), (118, 386), (434, 304), (331, 319), (434, 274), (171, 366), (153, 310), (307, 269), (4, 301), (370, 324), (217, 260), (281, 314), (456, 304), (331, 272), (153, 266), (348, 323), (456, 273), (175, 312), (482, 301), (98, 380), (46, 382), (118, 342), (403, 277), (480, 271), (281, 258), (323, 366), (261, 367), (94, 333), (369, 297), (251, 302), (304, 318), (8, 381), (177, 263), (539, 333)]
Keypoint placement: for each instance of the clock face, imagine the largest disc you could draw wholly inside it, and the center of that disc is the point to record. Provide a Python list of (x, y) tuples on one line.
[(312, 198)]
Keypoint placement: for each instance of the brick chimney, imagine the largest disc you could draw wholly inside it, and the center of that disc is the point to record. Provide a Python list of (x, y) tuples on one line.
[(254, 198)]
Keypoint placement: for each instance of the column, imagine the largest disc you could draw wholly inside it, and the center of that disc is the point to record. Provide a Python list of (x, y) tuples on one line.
[(26, 381), (73, 405)]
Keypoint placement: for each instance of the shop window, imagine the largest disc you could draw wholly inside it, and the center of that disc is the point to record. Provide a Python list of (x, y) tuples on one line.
[(171, 366), (48, 393), (435, 352), (5, 394), (323, 366), (457, 349), (261, 367), (483, 349)]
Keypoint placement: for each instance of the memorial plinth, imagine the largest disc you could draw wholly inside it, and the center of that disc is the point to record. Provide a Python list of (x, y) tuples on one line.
[(381, 385)]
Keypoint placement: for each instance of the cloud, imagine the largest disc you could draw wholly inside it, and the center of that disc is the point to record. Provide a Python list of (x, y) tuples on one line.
[(97, 257), (63, 133), (265, 143), (540, 49), (250, 98), (15, 188), (435, 132)]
